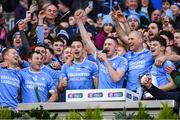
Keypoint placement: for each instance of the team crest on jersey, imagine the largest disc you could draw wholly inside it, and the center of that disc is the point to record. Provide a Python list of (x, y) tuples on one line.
[(142, 56), (78, 69), (43, 79), (35, 78), (114, 64), (129, 56)]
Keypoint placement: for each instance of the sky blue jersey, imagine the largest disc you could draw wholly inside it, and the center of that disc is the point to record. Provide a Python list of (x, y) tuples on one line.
[(138, 63), (32, 80), (9, 85), (159, 73), (55, 74), (80, 75), (105, 80)]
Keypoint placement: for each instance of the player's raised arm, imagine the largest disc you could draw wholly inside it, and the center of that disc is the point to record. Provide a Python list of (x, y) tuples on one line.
[(80, 17)]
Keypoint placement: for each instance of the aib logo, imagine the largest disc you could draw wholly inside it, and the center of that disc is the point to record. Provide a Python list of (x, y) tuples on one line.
[(75, 95), (95, 95), (115, 94)]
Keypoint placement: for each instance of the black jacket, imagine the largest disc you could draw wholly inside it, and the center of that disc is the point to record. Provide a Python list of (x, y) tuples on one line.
[(163, 95)]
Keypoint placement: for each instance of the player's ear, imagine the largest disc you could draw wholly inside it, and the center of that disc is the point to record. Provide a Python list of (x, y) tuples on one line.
[(163, 48), (29, 60)]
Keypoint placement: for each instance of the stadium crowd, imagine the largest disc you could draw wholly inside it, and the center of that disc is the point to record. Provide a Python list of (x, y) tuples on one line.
[(61, 45)]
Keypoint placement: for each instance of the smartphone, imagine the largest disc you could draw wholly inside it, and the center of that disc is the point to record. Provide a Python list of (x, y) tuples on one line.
[(28, 14), (91, 4)]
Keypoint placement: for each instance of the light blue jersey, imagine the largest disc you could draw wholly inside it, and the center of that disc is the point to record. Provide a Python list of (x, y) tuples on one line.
[(138, 62), (32, 80), (53, 73), (9, 85), (159, 73), (80, 75), (105, 80)]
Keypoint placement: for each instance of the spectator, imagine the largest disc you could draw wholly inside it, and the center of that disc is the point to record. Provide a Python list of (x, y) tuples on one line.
[(132, 8), (176, 15), (3, 32), (20, 42), (64, 6), (156, 16), (146, 7), (49, 56), (177, 38), (134, 22), (50, 14), (167, 25), (105, 6), (166, 5), (67, 55), (168, 36), (58, 47), (153, 30), (101, 36), (20, 11)]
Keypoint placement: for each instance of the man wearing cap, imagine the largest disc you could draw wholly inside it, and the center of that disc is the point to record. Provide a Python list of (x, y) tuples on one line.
[(20, 43), (134, 22), (107, 25)]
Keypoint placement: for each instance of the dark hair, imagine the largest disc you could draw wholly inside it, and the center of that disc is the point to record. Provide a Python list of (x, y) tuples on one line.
[(34, 52), (159, 25), (168, 34), (177, 31), (57, 39), (78, 39), (150, 7), (175, 49), (40, 46), (50, 50), (169, 1), (5, 51), (161, 40), (113, 38)]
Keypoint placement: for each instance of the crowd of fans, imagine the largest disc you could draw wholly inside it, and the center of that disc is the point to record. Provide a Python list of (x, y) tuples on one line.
[(57, 46)]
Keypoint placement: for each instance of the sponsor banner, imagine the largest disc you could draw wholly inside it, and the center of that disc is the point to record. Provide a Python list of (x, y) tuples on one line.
[(101, 95)]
